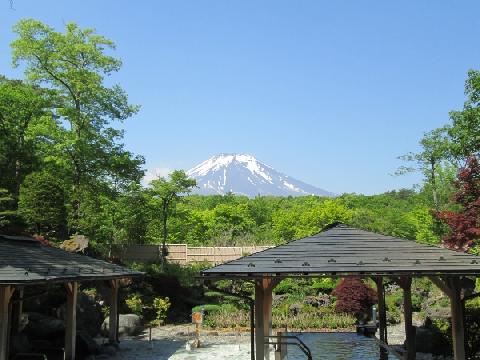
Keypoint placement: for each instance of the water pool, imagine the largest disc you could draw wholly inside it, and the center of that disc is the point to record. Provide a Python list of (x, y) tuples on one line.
[(337, 346)]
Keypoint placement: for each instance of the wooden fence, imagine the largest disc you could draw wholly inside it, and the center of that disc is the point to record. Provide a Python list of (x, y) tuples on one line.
[(184, 254)]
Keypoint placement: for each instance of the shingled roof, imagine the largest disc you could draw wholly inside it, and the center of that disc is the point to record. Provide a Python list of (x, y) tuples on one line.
[(341, 250), (25, 260)]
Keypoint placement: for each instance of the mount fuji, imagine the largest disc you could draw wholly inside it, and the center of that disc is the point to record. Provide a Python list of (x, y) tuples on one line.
[(244, 175)]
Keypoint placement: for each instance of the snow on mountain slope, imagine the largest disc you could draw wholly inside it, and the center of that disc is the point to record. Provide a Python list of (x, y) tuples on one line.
[(245, 175)]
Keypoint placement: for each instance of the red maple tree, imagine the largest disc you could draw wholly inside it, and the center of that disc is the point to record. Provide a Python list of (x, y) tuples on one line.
[(354, 296), (464, 224)]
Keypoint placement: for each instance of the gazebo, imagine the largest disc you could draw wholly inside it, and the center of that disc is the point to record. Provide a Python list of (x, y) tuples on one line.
[(343, 251), (24, 261)]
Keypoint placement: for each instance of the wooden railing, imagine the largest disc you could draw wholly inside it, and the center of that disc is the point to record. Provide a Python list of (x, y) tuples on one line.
[(184, 254)]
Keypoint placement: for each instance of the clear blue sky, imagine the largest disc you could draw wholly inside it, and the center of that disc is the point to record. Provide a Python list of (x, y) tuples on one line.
[(330, 92)]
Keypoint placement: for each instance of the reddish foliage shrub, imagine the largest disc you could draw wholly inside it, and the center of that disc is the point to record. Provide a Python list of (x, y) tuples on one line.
[(465, 224), (354, 296)]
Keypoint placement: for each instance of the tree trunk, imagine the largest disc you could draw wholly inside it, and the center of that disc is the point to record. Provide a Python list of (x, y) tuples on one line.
[(434, 185), (165, 234)]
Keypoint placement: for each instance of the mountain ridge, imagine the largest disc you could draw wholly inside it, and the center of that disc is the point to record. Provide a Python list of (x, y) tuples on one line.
[(243, 174)]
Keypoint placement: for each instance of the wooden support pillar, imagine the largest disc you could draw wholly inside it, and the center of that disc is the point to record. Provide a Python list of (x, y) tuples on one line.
[(263, 317), (113, 316), (6, 293), (406, 284), (17, 309), (458, 327), (259, 321), (452, 288), (382, 318), (281, 353), (71, 320)]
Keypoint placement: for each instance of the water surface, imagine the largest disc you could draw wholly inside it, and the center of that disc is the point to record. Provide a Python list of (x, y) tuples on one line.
[(337, 346)]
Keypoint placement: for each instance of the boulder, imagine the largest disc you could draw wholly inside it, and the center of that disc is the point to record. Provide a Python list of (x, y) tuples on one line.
[(294, 309), (43, 327), (85, 344), (19, 343), (431, 341), (128, 324), (89, 314), (318, 301)]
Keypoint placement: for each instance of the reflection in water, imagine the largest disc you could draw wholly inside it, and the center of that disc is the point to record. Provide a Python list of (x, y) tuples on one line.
[(336, 346)]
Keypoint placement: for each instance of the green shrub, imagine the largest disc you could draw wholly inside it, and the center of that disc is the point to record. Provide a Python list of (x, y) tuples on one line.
[(207, 308), (324, 285), (287, 286), (134, 303), (161, 306)]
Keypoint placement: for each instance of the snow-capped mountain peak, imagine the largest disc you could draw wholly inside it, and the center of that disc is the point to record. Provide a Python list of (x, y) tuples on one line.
[(244, 174)]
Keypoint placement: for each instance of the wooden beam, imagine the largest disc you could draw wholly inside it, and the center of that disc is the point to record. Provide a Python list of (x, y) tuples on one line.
[(71, 320), (113, 315), (442, 285), (382, 318), (6, 293), (458, 327), (406, 284)]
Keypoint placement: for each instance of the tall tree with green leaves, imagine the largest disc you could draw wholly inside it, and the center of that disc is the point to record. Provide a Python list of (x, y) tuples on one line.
[(465, 128), (435, 152), (24, 110), (166, 193), (74, 64)]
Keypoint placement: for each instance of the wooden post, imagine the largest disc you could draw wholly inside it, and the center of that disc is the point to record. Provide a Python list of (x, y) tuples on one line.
[(263, 317), (17, 309), (71, 320), (382, 318), (267, 315), (6, 292), (452, 288), (113, 316), (281, 353), (458, 328), (406, 284), (259, 322)]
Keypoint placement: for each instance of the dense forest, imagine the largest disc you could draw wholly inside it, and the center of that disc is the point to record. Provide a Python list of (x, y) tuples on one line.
[(65, 171)]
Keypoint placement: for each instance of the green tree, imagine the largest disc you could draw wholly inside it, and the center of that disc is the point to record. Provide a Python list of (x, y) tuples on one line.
[(166, 193), (465, 128), (435, 150), (6, 212), (74, 65), (23, 109), (42, 204)]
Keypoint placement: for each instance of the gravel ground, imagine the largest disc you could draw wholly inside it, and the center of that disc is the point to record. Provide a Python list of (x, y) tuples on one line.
[(173, 342)]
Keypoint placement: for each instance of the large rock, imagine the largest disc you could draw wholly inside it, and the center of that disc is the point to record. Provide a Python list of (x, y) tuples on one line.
[(318, 301), (43, 327), (89, 314), (128, 324), (431, 341), (86, 345)]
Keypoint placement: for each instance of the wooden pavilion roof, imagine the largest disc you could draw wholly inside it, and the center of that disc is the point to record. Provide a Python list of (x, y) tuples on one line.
[(341, 250), (24, 260)]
